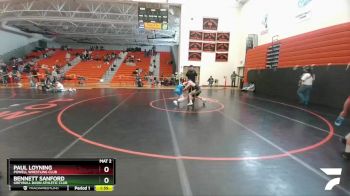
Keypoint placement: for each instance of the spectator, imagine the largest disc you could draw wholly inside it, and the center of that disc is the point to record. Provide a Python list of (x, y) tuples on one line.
[(4, 74), (35, 76), (151, 70), (47, 83), (154, 51), (3, 77), (173, 79), (177, 78), (233, 79), (17, 77), (58, 87), (305, 85), (90, 55), (68, 56), (211, 81), (54, 75)]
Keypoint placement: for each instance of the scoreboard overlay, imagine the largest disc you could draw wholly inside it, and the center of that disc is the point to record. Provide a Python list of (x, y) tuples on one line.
[(61, 174)]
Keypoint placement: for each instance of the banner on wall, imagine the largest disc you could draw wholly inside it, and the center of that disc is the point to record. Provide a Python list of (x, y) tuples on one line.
[(196, 35), (209, 47), (209, 36), (222, 47), (194, 56), (223, 37), (210, 23), (221, 57), (195, 46), (265, 24)]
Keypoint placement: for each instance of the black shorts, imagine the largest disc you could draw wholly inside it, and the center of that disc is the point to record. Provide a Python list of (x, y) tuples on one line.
[(195, 92)]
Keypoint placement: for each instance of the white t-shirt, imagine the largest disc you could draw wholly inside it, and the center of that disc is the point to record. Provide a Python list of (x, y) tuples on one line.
[(307, 79), (54, 73), (59, 86)]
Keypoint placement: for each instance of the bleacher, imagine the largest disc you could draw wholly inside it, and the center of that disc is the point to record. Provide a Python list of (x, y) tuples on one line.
[(125, 76), (165, 69), (92, 70), (36, 54), (57, 58)]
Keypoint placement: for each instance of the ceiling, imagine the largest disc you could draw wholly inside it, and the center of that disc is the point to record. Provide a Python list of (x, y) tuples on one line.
[(87, 21)]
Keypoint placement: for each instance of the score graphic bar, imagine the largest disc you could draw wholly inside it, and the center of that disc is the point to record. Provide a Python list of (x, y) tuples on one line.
[(61, 174)]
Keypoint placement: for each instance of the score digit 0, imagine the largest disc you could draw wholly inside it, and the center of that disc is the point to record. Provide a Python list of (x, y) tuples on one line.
[(106, 169), (106, 180)]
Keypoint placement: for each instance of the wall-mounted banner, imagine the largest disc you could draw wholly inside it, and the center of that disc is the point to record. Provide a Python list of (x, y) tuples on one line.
[(222, 47), (264, 24), (194, 56), (196, 46), (221, 57), (196, 35), (210, 23), (223, 37), (209, 37), (209, 47)]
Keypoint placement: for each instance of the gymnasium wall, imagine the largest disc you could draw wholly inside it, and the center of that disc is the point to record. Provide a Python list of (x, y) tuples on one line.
[(192, 13), (326, 49), (11, 42), (19, 52), (289, 18)]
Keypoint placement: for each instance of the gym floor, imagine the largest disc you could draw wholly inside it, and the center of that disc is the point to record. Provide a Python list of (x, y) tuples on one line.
[(237, 144)]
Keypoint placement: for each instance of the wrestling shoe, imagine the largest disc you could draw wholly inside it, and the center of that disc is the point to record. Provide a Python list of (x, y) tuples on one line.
[(345, 155), (176, 103), (339, 121), (189, 104)]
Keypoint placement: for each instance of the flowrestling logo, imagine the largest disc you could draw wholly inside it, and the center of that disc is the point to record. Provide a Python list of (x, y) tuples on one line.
[(332, 172)]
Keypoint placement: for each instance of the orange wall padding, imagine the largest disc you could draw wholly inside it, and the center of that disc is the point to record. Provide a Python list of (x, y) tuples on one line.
[(325, 46)]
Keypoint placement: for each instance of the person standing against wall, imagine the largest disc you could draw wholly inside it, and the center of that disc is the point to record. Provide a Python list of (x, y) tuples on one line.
[(233, 79), (211, 81), (191, 74), (305, 85), (338, 122)]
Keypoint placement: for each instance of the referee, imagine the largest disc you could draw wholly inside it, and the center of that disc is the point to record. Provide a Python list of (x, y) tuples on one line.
[(191, 74)]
